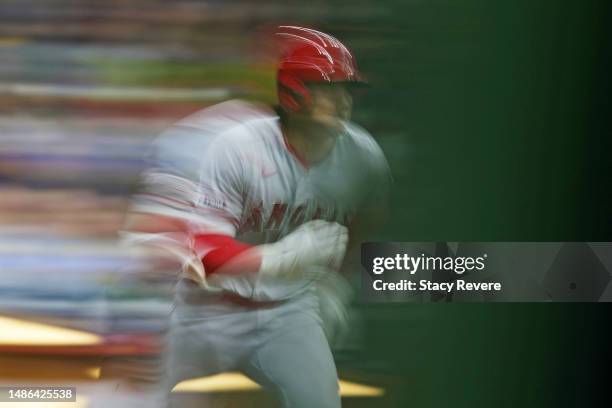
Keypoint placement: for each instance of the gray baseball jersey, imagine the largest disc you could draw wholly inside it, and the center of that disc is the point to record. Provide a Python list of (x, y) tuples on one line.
[(229, 170)]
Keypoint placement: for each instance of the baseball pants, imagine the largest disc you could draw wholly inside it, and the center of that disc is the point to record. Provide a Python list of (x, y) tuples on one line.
[(281, 346)]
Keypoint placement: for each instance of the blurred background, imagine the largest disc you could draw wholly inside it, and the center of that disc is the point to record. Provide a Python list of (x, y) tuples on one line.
[(493, 116)]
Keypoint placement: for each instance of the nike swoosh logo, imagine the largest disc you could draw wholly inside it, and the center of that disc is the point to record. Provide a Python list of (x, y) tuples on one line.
[(268, 173)]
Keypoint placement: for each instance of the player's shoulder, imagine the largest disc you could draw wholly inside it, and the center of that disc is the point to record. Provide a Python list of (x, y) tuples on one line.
[(369, 154), (244, 123), (362, 140), (224, 130), (222, 116), (234, 124)]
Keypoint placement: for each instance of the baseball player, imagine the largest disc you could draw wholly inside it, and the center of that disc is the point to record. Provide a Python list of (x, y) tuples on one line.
[(261, 206)]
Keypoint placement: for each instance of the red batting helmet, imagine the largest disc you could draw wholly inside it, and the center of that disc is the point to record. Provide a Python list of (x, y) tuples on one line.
[(310, 57)]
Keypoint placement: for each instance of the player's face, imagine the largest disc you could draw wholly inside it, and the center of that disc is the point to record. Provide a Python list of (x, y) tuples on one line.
[(331, 104)]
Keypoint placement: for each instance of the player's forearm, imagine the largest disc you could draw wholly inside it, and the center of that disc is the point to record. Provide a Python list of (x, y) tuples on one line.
[(222, 254), (316, 244)]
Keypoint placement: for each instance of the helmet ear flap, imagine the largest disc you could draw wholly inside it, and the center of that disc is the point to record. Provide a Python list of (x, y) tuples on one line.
[(293, 95)]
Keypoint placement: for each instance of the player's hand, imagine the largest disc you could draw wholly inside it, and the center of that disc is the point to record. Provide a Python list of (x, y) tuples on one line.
[(311, 246), (319, 243)]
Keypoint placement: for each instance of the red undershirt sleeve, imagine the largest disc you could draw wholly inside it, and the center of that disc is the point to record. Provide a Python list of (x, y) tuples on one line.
[(222, 251)]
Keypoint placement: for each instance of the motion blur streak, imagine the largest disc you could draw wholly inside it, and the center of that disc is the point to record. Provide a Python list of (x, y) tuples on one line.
[(239, 382), (16, 331), (86, 87)]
